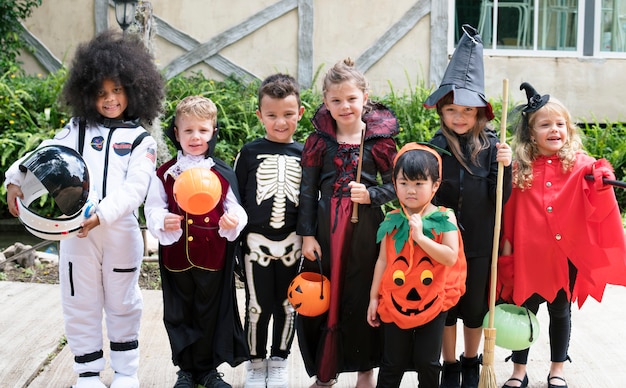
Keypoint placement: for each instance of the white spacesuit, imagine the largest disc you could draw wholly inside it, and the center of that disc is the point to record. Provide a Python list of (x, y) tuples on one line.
[(99, 273)]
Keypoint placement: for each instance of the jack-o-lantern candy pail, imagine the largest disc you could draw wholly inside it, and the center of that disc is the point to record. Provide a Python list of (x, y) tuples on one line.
[(309, 293)]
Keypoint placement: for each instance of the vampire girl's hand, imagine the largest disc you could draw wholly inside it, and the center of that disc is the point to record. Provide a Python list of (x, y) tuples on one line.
[(359, 193)]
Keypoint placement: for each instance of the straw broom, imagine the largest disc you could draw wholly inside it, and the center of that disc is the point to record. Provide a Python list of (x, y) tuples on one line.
[(488, 374)]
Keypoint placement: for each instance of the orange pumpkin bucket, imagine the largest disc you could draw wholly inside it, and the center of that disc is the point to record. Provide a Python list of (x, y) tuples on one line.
[(309, 292), (197, 190)]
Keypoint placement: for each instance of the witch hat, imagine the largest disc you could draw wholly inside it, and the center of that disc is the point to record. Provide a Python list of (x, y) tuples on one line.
[(535, 100), (465, 74)]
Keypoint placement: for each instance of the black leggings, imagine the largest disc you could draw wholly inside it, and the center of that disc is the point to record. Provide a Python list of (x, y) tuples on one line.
[(416, 349), (560, 311), (473, 306)]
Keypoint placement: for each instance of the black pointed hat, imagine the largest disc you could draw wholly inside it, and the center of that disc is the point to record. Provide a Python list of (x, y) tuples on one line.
[(535, 100), (465, 74)]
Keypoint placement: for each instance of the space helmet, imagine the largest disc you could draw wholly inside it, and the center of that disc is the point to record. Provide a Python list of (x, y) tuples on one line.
[(63, 174)]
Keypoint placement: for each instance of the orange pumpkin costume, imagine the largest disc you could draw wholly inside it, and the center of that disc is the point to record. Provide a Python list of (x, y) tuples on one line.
[(415, 289)]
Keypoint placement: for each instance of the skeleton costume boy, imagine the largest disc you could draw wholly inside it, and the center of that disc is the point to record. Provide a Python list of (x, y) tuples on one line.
[(269, 180)]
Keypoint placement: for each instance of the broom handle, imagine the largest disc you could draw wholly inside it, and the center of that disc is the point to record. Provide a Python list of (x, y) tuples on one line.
[(355, 206), (611, 182), (496, 229)]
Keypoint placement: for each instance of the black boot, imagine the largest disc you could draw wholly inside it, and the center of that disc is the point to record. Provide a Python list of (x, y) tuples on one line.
[(470, 368), (451, 375)]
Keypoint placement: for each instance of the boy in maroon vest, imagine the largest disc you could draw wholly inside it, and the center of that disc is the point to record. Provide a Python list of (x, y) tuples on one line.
[(197, 252)]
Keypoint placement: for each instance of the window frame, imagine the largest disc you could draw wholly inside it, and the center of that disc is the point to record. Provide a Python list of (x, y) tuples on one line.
[(588, 35)]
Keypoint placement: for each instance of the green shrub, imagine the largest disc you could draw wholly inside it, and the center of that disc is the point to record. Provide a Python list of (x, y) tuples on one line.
[(30, 113), (236, 103), (608, 141)]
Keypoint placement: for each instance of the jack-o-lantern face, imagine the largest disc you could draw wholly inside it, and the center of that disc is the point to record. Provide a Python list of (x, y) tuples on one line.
[(309, 294), (412, 291), (412, 286)]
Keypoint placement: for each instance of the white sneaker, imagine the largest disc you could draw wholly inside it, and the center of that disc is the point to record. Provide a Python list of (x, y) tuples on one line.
[(89, 382), (256, 373), (277, 373), (124, 381)]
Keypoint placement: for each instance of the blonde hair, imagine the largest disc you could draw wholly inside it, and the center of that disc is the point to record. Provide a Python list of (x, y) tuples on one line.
[(477, 140), (345, 71), (198, 107), (526, 150)]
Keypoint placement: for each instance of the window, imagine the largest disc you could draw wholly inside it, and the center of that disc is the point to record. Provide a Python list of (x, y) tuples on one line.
[(546, 27), (612, 26)]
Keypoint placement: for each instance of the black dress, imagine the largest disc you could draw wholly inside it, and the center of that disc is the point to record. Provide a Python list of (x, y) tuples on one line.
[(341, 340)]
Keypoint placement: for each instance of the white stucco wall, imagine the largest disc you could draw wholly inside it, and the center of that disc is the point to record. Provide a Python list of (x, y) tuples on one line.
[(592, 88)]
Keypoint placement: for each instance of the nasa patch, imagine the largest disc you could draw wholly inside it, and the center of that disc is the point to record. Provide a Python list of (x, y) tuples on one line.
[(97, 143), (122, 149)]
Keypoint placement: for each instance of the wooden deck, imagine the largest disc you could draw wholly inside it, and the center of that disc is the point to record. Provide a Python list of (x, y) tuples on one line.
[(31, 328)]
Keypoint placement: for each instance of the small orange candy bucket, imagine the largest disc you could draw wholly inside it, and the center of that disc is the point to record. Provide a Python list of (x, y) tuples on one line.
[(309, 293), (197, 190)]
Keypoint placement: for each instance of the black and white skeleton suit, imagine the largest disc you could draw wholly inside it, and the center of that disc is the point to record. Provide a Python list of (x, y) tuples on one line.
[(269, 176)]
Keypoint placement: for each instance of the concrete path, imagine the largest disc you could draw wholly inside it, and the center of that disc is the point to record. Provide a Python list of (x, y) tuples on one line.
[(31, 329)]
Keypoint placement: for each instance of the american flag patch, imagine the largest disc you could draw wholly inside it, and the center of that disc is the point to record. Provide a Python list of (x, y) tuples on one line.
[(151, 154)]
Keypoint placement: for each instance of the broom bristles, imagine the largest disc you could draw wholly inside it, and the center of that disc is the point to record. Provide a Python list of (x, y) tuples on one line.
[(488, 373), (487, 377)]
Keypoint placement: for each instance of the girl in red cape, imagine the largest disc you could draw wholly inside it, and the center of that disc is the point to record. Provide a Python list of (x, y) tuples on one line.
[(420, 271), (562, 234)]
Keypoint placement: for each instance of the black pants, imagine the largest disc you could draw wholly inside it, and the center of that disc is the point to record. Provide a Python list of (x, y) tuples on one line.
[(191, 301), (416, 349), (473, 305), (560, 311), (267, 280)]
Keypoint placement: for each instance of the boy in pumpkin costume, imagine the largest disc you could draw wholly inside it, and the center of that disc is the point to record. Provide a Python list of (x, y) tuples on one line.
[(420, 272)]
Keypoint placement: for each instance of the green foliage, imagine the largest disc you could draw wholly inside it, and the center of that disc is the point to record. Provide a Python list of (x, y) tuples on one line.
[(236, 103), (30, 112), (608, 141), (416, 122), (12, 12)]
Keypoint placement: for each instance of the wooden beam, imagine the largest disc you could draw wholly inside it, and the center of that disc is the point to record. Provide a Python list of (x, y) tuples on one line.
[(41, 52), (101, 14), (185, 41), (305, 43), (438, 41), (378, 50), (228, 37)]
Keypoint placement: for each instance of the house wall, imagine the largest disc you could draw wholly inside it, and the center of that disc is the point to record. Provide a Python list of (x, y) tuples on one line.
[(400, 45), (592, 88)]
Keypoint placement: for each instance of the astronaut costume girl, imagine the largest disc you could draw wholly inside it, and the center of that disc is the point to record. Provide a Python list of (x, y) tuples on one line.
[(100, 272)]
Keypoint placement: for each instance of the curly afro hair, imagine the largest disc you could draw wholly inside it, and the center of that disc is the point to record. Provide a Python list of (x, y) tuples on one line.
[(121, 58)]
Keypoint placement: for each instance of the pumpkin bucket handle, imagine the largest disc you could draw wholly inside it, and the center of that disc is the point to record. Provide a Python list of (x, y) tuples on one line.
[(303, 291), (319, 262), (530, 323)]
